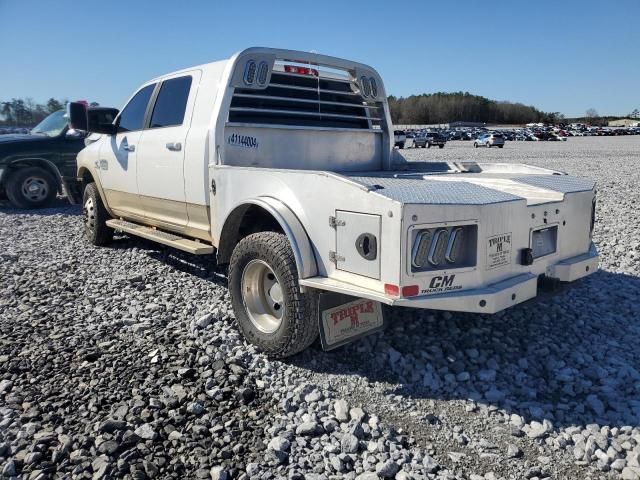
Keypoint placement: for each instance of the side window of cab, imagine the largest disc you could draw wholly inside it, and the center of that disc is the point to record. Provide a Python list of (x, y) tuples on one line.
[(133, 114), (171, 103)]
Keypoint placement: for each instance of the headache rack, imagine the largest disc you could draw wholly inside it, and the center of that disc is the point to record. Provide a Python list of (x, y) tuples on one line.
[(320, 97)]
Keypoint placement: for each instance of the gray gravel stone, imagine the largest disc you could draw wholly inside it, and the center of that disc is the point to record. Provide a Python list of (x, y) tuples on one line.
[(349, 443), (341, 409), (308, 428), (387, 469), (9, 469), (279, 444), (146, 432), (513, 451), (219, 473)]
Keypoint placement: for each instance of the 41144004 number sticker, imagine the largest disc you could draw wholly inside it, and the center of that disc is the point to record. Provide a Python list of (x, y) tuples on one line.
[(242, 141)]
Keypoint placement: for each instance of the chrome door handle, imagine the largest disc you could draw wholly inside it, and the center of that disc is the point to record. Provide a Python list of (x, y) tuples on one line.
[(129, 148), (174, 146)]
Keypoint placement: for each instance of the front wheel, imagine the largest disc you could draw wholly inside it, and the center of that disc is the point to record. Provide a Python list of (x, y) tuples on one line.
[(500, 146), (95, 217), (475, 145), (31, 187), (441, 146), (270, 310)]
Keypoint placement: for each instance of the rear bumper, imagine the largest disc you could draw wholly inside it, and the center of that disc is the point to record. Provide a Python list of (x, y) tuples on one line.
[(489, 299), (576, 267)]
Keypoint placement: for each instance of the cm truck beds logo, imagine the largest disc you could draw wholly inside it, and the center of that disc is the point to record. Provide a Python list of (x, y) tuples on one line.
[(442, 284)]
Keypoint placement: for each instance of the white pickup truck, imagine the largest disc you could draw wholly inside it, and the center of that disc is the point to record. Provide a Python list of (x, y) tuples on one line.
[(281, 164)]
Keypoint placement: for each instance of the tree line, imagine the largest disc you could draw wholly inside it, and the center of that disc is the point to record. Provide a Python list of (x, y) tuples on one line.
[(442, 107), (25, 112), (427, 108)]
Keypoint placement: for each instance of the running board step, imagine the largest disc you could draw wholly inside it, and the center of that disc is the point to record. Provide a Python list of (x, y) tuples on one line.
[(165, 238)]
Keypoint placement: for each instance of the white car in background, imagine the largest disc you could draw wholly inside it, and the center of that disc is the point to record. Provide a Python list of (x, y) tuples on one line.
[(489, 140)]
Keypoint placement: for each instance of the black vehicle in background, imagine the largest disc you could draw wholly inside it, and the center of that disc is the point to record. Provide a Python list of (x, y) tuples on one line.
[(35, 165), (429, 139)]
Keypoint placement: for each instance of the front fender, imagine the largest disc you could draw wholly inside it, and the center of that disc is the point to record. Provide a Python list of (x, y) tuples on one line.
[(86, 162)]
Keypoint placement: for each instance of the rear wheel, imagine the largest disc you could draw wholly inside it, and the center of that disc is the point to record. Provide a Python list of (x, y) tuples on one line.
[(270, 310), (500, 146), (428, 145), (31, 187), (441, 146), (95, 217), (488, 145)]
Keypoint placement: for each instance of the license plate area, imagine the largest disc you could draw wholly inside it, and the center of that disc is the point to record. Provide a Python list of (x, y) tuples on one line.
[(344, 318), (544, 241)]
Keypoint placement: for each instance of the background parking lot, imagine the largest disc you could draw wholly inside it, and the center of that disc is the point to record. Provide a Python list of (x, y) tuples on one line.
[(126, 361)]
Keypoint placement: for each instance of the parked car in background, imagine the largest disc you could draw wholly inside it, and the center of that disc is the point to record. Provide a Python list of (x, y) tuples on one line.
[(399, 138), (489, 140), (410, 141), (35, 165), (429, 139)]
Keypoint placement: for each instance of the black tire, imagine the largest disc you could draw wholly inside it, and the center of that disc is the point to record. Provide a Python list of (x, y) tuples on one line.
[(488, 145), (95, 217), (500, 146), (31, 187), (298, 327), (428, 145), (475, 145), (441, 146), (401, 146)]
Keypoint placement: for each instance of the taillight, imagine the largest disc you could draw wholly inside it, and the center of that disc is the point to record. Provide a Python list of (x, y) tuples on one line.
[(438, 247), (410, 291), (301, 70), (365, 85), (391, 290), (454, 246), (263, 70), (250, 72), (394, 290), (421, 248), (444, 247), (374, 87)]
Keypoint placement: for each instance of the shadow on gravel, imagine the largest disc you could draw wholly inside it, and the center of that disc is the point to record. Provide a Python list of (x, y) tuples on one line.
[(201, 266), (569, 358), (60, 206)]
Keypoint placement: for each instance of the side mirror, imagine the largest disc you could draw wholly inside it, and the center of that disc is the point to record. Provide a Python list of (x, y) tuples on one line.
[(92, 119)]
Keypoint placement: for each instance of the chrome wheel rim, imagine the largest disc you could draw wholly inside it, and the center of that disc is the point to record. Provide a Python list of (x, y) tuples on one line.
[(262, 296), (35, 189), (89, 213)]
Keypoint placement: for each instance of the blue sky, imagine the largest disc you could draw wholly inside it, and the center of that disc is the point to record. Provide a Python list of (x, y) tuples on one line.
[(563, 56)]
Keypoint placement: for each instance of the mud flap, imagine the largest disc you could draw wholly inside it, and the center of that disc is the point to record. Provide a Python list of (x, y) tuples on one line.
[(343, 319)]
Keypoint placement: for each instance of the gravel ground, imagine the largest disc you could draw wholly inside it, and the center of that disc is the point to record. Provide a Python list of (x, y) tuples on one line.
[(125, 362)]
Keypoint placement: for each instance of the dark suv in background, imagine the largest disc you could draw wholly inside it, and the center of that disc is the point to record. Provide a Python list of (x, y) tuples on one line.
[(429, 139)]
